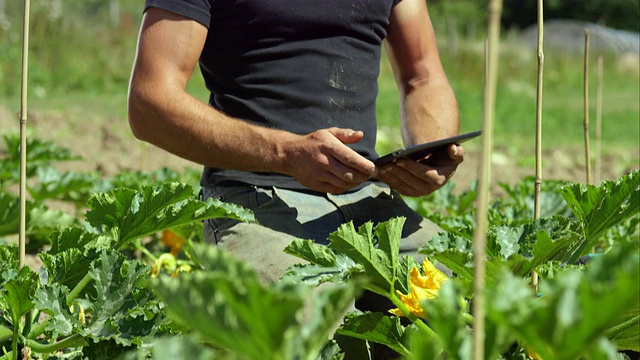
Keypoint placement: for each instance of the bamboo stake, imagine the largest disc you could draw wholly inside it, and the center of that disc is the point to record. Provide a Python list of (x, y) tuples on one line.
[(598, 158), (586, 106), (480, 239), (23, 134), (538, 182)]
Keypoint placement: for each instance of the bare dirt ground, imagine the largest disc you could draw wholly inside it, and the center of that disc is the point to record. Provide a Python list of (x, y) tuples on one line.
[(106, 144)]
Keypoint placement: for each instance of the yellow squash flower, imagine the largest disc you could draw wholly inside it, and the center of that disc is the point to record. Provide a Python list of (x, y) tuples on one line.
[(172, 240), (422, 288)]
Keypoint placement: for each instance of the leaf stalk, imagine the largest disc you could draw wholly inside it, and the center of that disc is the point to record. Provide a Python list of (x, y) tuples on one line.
[(72, 341), (414, 319), (78, 289)]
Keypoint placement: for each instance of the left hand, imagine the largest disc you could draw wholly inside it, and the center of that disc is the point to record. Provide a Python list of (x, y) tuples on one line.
[(422, 177)]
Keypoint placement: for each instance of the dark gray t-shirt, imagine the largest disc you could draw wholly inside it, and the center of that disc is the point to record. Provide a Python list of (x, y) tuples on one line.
[(296, 65)]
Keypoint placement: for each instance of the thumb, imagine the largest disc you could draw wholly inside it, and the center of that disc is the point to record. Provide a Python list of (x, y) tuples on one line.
[(347, 136), (456, 152)]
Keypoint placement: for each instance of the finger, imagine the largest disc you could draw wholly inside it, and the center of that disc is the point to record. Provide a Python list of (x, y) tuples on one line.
[(347, 136), (348, 174), (423, 178), (344, 179), (400, 180), (349, 161), (456, 153)]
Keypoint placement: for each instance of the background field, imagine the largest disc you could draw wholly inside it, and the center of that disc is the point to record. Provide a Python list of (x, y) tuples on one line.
[(81, 57)]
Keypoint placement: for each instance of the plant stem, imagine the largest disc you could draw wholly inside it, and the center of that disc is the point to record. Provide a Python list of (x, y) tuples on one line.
[(414, 319), (480, 235), (468, 318), (14, 343), (144, 250), (28, 321), (72, 341), (38, 329), (78, 289)]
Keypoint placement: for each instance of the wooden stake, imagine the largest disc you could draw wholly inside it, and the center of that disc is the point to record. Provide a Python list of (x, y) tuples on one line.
[(538, 181), (23, 133), (586, 106), (480, 236), (598, 158)]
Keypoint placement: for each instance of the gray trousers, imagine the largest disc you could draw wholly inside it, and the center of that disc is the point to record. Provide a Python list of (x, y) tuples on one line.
[(284, 215)]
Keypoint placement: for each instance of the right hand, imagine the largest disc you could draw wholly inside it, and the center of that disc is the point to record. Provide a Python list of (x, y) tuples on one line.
[(321, 161)]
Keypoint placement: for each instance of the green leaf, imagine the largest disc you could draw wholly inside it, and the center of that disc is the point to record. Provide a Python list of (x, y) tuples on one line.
[(342, 271), (389, 234), (51, 299), (626, 331), (40, 153), (177, 348), (71, 253), (360, 247), (17, 293), (521, 248), (9, 214), (131, 214), (136, 180), (69, 186), (504, 241), (404, 273), (556, 239), (601, 208), (103, 350), (455, 252), (521, 196), (122, 309), (310, 251), (444, 315), (208, 301), (542, 241), (42, 220), (328, 305), (352, 348), (423, 347), (39, 219), (74, 238), (9, 258), (376, 327), (577, 307)]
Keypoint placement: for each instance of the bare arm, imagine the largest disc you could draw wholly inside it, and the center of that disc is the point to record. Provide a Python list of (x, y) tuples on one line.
[(163, 113), (428, 105)]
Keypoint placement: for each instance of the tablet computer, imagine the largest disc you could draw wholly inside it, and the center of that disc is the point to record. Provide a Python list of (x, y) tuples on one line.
[(419, 151)]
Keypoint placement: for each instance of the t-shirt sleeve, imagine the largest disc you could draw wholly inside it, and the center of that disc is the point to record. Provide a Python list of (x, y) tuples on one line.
[(198, 10)]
